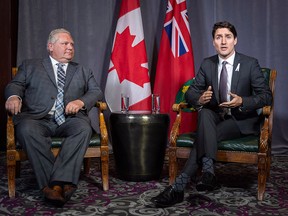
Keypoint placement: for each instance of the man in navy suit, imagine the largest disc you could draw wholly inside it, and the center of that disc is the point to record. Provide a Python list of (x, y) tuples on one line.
[(227, 110), (31, 98)]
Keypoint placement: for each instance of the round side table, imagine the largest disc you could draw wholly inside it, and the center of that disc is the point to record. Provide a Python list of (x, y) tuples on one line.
[(139, 143)]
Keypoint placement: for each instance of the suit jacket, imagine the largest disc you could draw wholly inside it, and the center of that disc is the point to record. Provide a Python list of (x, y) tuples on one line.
[(35, 83), (247, 81)]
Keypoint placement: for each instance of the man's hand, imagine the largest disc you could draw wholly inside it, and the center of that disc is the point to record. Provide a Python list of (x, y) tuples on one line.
[(206, 96), (235, 102), (13, 105), (73, 107)]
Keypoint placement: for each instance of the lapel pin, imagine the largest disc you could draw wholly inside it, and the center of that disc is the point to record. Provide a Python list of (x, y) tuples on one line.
[(238, 67)]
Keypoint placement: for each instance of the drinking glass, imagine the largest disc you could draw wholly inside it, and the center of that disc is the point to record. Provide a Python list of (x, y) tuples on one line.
[(155, 103), (124, 103)]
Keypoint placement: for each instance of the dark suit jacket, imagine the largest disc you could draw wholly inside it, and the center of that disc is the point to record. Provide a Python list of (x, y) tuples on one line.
[(35, 83), (247, 82)]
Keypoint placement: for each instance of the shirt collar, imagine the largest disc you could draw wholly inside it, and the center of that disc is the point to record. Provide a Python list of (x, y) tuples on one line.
[(54, 62), (230, 60)]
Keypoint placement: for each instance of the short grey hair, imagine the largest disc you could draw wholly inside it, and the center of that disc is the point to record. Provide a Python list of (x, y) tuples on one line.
[(53, 35)]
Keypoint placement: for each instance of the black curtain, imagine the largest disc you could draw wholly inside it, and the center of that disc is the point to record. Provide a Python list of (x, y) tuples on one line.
[(261, 26)]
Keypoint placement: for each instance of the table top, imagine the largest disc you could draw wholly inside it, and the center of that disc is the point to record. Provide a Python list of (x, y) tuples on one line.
[(139, 116), (138, 112)]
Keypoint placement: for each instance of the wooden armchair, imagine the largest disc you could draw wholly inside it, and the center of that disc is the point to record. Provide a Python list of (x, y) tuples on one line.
[(98, 148), (250, 149)]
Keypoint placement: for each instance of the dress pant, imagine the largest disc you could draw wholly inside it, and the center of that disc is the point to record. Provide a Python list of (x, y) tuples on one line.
[(35, 138), (211, 129)]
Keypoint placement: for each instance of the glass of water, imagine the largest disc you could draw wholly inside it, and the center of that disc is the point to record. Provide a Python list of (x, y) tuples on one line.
[(155, 103), (124, 103)]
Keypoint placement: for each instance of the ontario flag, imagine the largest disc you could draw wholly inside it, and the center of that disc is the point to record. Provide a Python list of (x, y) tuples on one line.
[(128, 71), (175, 63)]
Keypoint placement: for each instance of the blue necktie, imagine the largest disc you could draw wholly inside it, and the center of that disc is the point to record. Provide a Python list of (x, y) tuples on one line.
[(223, 83), (59, 106)]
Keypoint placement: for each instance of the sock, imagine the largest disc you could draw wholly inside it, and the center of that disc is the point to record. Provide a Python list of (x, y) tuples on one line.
[(54, 183), (181, 182), (208, 165)]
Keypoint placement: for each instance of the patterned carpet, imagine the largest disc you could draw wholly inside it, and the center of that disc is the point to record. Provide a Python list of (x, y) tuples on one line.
[(237, 195)]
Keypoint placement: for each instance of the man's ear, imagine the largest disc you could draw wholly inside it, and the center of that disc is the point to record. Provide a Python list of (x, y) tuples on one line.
[(50, 47), (235, 41)]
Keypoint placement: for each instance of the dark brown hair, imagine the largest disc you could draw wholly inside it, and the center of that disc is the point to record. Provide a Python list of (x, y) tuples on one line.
[(224, 24)]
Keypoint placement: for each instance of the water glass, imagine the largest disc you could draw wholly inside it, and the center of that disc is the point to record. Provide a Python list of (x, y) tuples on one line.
[(155, 103), (124, 103)]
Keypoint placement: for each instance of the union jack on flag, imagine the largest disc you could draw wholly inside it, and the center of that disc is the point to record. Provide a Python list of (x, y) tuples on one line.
[(177, 27), (175, 64)]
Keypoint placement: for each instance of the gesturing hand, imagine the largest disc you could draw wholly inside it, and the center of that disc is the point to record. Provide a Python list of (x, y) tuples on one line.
[(206, 96), (235, 102)]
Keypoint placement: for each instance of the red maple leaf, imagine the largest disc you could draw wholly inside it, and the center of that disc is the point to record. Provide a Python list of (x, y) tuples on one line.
[(127, 60)]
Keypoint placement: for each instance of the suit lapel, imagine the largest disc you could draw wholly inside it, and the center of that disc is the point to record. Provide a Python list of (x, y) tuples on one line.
[(214, 70), (71, 69), (236, 73), (49, 69)]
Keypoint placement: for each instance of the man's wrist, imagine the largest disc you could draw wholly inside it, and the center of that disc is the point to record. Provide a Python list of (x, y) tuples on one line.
[(15, 96)]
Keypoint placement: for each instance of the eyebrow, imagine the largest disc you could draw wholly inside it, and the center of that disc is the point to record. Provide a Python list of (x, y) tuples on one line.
[(229, 34)]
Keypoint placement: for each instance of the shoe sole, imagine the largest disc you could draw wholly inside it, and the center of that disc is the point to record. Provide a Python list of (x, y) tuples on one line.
[(159, 205), (204, 187), (56, 203)]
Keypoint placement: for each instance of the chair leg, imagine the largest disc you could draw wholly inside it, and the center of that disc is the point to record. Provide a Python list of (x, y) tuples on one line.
[(87, 162), (18, 168), (11, 170), (105, 167), (173, 166), (263, 162), (268, 165)]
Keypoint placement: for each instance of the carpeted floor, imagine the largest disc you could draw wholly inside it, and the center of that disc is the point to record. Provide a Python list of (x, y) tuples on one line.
[(237, 195)]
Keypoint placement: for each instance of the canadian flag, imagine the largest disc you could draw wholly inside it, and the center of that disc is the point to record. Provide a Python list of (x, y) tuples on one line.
[(128, 71)]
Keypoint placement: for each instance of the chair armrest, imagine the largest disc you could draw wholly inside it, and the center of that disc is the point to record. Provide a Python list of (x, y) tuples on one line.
[(266, 130), (11, 144), (101, 105), (266, 110), (178, 107), (102, 124), (176, 124)]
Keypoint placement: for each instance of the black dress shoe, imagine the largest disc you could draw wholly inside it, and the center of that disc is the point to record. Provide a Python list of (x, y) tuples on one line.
[(207, 182), (168, 197)]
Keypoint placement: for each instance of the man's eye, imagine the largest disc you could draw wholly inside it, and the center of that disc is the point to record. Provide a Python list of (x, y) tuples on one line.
[(67, 43)]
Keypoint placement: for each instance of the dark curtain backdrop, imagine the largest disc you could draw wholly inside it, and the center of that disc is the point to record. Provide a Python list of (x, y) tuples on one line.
[(261, 25)]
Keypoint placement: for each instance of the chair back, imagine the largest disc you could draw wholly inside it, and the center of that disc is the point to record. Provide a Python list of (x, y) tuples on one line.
[(180, 96)]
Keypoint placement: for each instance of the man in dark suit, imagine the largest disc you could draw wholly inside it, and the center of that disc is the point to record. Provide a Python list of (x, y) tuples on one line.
[(52, 97), (229, 88)]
